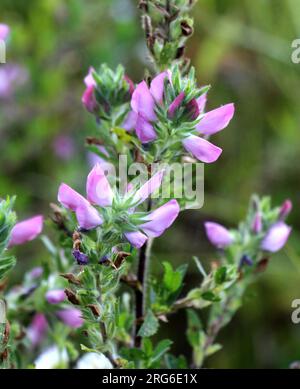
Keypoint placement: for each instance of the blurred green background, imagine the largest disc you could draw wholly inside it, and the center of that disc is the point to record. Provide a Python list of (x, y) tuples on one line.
[(243, 49)]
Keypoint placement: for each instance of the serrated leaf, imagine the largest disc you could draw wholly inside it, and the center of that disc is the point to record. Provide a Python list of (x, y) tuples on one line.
[(150, 325)]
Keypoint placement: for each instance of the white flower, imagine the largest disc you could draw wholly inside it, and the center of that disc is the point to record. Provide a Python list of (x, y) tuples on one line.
[(51, 358), (94, 361)]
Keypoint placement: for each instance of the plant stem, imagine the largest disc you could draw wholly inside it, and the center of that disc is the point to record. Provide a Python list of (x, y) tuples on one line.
[(141, 297)]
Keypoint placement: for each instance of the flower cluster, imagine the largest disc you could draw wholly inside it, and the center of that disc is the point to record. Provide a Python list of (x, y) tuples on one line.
[(115, 213), (264, 230)]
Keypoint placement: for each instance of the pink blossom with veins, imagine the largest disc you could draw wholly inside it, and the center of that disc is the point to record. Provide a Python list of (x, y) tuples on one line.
[(144, 100), (26, 230)]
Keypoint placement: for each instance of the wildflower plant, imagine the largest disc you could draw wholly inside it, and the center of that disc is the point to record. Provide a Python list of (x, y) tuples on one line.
[(96, 283)]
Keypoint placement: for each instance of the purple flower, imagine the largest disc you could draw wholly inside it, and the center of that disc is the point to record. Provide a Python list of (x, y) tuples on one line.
[(11, 77), (216, 120), (285, 209), (26, 230), (276, 237), (218, 235), (81, 258), (37, 329), (87, 216), (4, 31), (144, 101), (100, 193), (97, 188), (88, 98), (55, 296), (71, 317), (257, 223), (63, 146), (36, 272)]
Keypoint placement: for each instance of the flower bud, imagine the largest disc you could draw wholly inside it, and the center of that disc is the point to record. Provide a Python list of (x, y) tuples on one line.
[(26, 230), (55, 296), (276, 237), (218, 235), (285, 209)]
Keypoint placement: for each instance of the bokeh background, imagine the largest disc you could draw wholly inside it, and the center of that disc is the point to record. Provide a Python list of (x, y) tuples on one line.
[(243, 49)]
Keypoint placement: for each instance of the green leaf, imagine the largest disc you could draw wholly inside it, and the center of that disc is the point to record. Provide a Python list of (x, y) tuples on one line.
[(210, 296), (6, 264), (220, 275), (162, 347), (150, 325), (213, 349), (172, 279)]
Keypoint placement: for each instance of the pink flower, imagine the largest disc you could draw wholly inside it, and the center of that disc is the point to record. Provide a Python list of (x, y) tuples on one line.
[(276, 237), (37, 329), (257, 223), (98, 192), (71, 317), (88, 98), (218, 235), (26, 230), (4, 31), (216, 120), (97, 188), (55, 296), (285, 209), (144, 101), (11, 77), (63, 146)]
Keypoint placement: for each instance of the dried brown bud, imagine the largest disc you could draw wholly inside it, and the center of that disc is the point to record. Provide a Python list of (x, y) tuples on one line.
[(143, 5), (262, 265), (95, 309), (90, 140), (71, 278), (71, 296), (186, 29), (121, 256)]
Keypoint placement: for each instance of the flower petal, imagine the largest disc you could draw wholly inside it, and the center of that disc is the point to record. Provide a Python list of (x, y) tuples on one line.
[(175, 104), (89, 79), (69, 198), (71, 317), (216, 120), (149, 187), (136, 238), (37, 329), (276, 237), (55, 296), (157, 87), (218, 235), (202, 149), (285, 209), (4, 31), (142, 102), (202, 102), (26, 230), (87, 216), (97, 187), (88, 99), (161, 219), (130, 121), (144, 130)]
